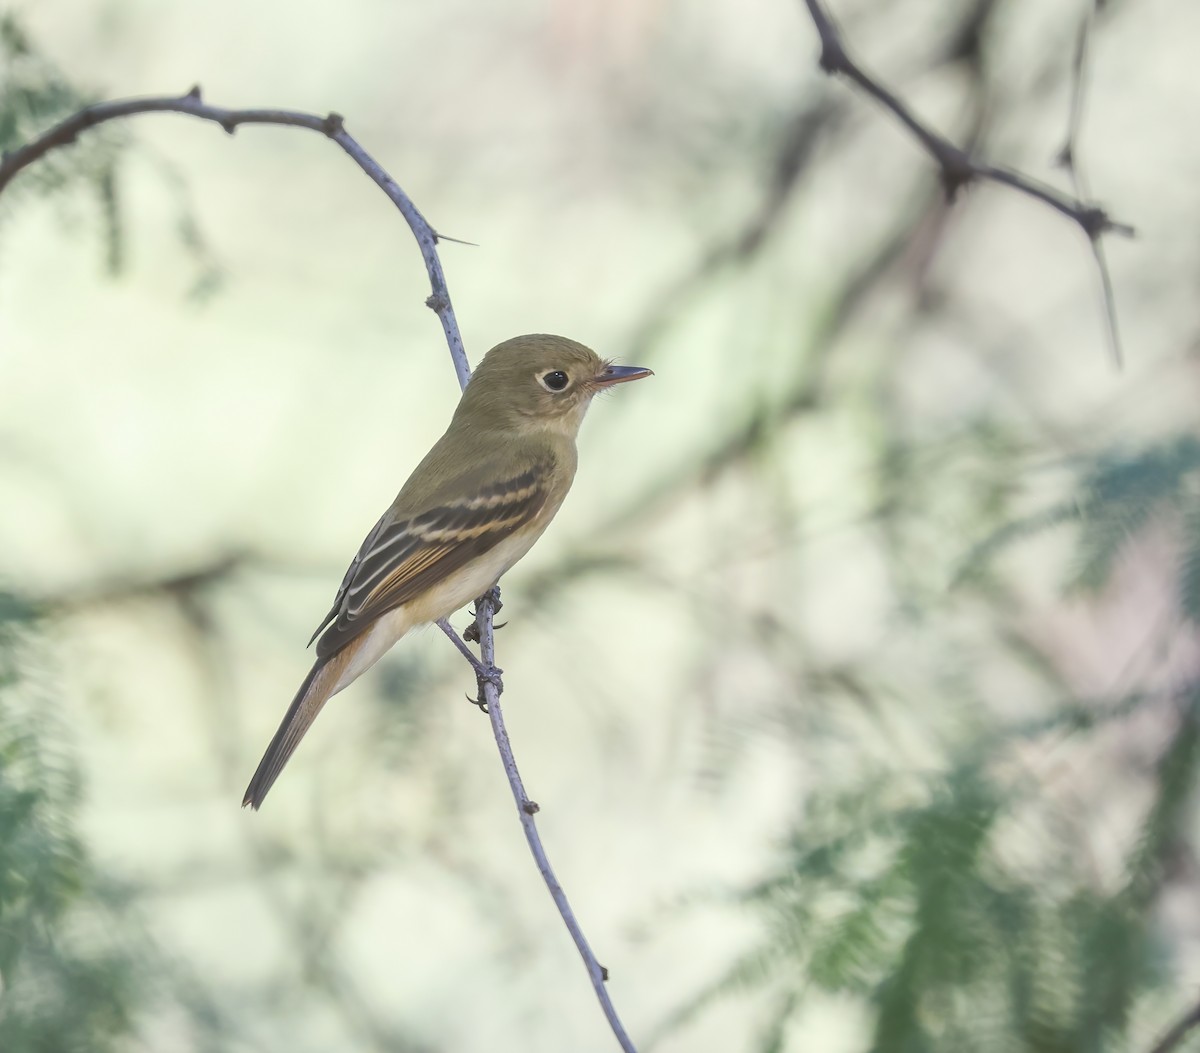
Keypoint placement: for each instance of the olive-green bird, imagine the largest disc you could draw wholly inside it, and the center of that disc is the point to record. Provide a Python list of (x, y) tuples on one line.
[(474, 506)]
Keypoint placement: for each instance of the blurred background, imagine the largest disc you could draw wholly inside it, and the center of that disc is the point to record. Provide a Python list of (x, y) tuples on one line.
[(858, 678)]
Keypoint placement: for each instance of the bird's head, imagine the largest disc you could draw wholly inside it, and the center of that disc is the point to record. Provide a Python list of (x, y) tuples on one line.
[(540, 381)]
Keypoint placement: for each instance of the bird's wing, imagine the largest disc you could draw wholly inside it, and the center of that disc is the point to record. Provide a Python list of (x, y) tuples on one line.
[(402, 557)]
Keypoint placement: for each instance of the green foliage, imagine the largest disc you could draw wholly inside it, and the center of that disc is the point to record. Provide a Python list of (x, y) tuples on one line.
[(962, 908), (1119, 496), (951, 943), (34, 96), (66, 983)]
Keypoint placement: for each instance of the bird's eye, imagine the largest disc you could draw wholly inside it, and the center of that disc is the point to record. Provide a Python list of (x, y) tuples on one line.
[(556, 380)]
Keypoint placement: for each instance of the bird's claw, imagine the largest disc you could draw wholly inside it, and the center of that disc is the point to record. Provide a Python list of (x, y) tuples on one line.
[(472, 631), (485, 674), (478, 701)]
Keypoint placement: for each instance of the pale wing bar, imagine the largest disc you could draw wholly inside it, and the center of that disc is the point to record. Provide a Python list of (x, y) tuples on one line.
[(404, 558)]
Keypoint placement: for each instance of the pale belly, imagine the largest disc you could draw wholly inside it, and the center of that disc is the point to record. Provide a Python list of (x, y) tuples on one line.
[(456, 591)]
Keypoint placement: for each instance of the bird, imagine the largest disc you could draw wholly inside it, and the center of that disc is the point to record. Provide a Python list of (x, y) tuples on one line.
[(475, 504)]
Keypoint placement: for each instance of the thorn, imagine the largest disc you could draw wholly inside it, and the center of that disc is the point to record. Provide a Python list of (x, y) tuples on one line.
[(530, 807), (1065, 158), (229, 124), (193, 93), (603, 972), (457, 241)]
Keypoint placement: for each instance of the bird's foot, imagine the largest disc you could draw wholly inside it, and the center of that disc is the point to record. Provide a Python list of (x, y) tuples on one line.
[(486, 674), (471, 633)]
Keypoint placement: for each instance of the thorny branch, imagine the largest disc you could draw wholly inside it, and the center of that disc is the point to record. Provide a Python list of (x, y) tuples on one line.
[(67, 131), (958, 168), (526, 809)]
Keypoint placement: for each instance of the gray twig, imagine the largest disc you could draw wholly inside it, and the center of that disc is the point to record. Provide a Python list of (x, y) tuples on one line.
[(958, 168), (1068, 159), (526, 809), (66, 131)]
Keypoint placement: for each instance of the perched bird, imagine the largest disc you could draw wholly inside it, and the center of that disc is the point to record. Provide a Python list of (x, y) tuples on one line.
[(473, 507)]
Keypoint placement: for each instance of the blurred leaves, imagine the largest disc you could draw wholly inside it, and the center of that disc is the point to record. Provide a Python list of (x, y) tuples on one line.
[(924, 913), (940, 900), (65, 983), (34, 95), (1121, 494)]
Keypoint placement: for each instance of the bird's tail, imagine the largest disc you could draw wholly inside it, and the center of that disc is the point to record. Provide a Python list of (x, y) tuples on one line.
[(318, 687)]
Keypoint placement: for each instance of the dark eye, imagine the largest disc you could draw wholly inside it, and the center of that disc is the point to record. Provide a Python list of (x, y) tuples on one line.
[(555, 381)]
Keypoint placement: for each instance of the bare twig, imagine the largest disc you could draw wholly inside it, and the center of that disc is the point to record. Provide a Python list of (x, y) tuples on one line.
[(526, 809), (1179, 1031), (1068, 159), (958, 168), (65, 132)]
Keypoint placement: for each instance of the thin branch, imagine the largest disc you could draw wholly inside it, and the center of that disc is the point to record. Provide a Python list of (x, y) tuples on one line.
[(1068, 159), (1179, 1031), (65, 132), (958, 168), (526, 809)]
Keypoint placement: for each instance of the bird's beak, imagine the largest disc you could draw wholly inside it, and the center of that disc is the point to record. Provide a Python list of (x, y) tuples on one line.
[(611, 375)]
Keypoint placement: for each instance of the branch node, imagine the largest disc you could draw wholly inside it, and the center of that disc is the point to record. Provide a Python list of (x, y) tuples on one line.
[(833, 58), (957, 169), (1094, 221), (334, 124), (437, 302), (957, 172), (530, 807)]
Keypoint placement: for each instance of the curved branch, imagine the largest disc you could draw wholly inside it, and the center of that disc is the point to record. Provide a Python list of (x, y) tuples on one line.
[(65, 132), (331, 125)]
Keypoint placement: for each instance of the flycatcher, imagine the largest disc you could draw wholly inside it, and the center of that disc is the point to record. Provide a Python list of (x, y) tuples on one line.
[(474, 506)]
